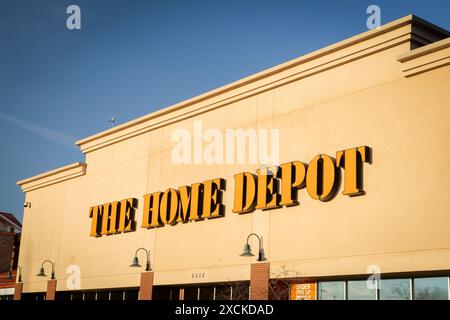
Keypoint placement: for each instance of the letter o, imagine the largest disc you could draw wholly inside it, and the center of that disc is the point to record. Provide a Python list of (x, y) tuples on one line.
[(169, 207), (322, 178)]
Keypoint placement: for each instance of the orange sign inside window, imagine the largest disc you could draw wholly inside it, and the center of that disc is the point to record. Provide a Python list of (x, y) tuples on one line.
[(303, 291)]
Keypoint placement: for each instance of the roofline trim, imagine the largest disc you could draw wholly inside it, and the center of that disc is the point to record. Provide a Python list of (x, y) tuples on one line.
[(53, 176), (422, 51), (266, 73), (433, 56)]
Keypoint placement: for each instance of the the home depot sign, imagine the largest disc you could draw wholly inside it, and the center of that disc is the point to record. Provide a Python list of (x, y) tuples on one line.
[(269, 188)]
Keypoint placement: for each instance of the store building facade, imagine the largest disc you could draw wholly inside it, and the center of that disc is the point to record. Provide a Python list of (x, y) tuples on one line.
[(358, 187)]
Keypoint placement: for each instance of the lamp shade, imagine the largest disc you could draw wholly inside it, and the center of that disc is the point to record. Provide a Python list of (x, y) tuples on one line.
[(247, 251), (41, 273), (135, 262)]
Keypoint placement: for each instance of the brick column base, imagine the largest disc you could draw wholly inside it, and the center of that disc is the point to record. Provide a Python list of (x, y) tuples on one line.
[(51, 290), (146, 289), (259, 281), (18, 291)]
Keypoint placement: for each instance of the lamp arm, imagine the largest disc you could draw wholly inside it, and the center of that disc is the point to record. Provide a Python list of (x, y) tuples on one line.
[(259, 239), (147, 262), (53, 267), (52, 263), (147, 252)]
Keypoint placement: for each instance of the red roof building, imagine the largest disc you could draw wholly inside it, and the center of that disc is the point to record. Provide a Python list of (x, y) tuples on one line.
[(10, 231)]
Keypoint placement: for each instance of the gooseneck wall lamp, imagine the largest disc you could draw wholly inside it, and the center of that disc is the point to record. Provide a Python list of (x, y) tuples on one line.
[(248, 252), (135, 262), (42, 271)]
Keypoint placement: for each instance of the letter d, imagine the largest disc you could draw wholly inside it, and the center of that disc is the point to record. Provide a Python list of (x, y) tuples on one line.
[(244, 192)]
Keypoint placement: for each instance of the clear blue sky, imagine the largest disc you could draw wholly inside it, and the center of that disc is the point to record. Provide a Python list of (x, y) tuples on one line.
[(133, 57)]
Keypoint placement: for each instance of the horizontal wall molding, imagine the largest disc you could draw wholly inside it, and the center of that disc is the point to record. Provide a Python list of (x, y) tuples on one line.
[(432, 56), (54, 176)]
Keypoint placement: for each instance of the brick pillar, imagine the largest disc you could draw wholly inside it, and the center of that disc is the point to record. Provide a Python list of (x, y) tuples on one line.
[(18, 291), (51, 290), (146, 289), (259, 281)]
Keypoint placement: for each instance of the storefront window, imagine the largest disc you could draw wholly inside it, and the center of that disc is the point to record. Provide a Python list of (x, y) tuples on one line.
[(395, 289), (77, 295), (63, 295), (89, 295), (175, 293), (33, 296), (278, 290), (132, 294), (164, 293), (358, 290), (103, 295), (223, 292), (435, 288), (206, 293), (240, 292), (116, 295), (191, 293), (331, 290)]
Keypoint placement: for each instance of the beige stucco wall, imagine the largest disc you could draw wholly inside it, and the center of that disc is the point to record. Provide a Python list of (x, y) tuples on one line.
[(357, 94)]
